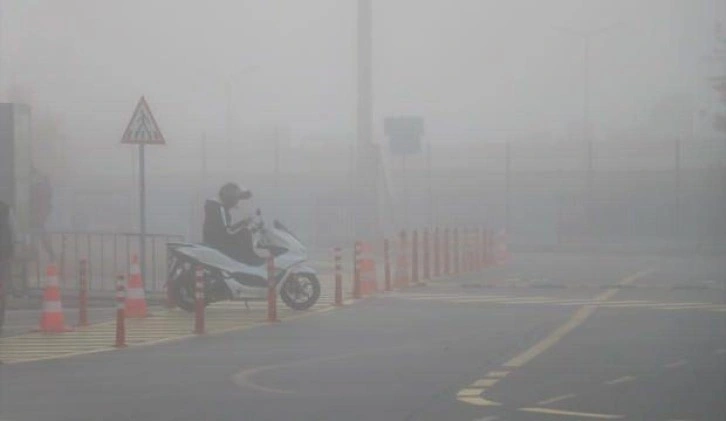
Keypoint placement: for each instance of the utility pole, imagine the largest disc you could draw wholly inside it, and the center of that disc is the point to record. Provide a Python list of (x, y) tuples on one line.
[(677, 182), (1, 53), (367, 165)]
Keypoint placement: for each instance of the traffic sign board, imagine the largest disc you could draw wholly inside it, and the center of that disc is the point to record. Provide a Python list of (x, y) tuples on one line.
[(142, 129)]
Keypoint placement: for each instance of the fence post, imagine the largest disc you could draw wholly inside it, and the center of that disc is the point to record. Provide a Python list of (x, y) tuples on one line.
[(120, 312), (271, 291), (338, 277), (83, 293), (356, 270), (404, 259), (475, 250), (199, 301), (485, 247)]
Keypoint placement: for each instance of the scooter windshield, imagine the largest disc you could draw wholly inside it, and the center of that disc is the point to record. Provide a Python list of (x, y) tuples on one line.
[(278, 237)]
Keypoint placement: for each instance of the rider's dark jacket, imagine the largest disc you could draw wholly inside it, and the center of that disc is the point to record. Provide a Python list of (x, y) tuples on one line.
[(219, 232)]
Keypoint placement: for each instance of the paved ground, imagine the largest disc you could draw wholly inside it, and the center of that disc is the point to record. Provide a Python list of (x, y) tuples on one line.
[(572, 338)]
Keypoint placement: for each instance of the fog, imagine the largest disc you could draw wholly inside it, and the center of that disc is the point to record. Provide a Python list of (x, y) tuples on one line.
[(226, 78)]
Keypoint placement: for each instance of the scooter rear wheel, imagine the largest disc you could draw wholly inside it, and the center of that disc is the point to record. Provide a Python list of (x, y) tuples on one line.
[(182, 292)]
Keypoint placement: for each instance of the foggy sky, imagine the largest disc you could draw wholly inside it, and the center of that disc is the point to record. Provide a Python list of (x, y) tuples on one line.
[(475, 69)]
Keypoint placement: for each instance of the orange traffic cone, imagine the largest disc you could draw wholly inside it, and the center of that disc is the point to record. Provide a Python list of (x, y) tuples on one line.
[(135, 298), (369, 284), (52, 320)]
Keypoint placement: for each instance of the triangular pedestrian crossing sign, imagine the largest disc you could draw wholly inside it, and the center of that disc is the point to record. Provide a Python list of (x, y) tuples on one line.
[(142, 128)]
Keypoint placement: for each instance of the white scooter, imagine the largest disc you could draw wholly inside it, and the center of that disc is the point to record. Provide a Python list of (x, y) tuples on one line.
[(228, 279)]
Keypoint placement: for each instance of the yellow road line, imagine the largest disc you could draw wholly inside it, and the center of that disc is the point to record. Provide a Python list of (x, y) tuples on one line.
[(478, 401), (624, 379), (556, 399), (555, 336), (571, 413), (576, 320)]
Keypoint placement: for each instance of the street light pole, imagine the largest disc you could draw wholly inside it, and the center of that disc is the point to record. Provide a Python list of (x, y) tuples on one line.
[(587, 37), (429, 187)]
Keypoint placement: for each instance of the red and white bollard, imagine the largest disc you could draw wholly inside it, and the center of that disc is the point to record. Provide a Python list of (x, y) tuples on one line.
[(387, 264), (457, 250), (426, 256), (414, 258), (271, 291), (120, 312), (338, 277), (356, 270), (83, 292), (477, 250), (447, 255), (486, 249), (199, 301)]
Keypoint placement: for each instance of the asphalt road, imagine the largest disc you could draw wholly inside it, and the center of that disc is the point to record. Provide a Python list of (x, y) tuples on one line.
[(548, 337)]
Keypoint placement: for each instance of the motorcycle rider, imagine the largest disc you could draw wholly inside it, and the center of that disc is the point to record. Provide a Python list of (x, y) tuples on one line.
[(234, 240)]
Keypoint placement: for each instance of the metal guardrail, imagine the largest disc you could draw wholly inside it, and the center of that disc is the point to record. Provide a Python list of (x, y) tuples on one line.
[(108, 254)]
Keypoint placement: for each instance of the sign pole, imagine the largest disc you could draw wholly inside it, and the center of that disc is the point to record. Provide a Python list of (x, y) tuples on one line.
[(142, 213), (143, 130)]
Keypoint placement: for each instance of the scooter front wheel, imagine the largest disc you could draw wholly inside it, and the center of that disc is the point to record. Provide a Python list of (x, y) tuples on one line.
[(300, 292)]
